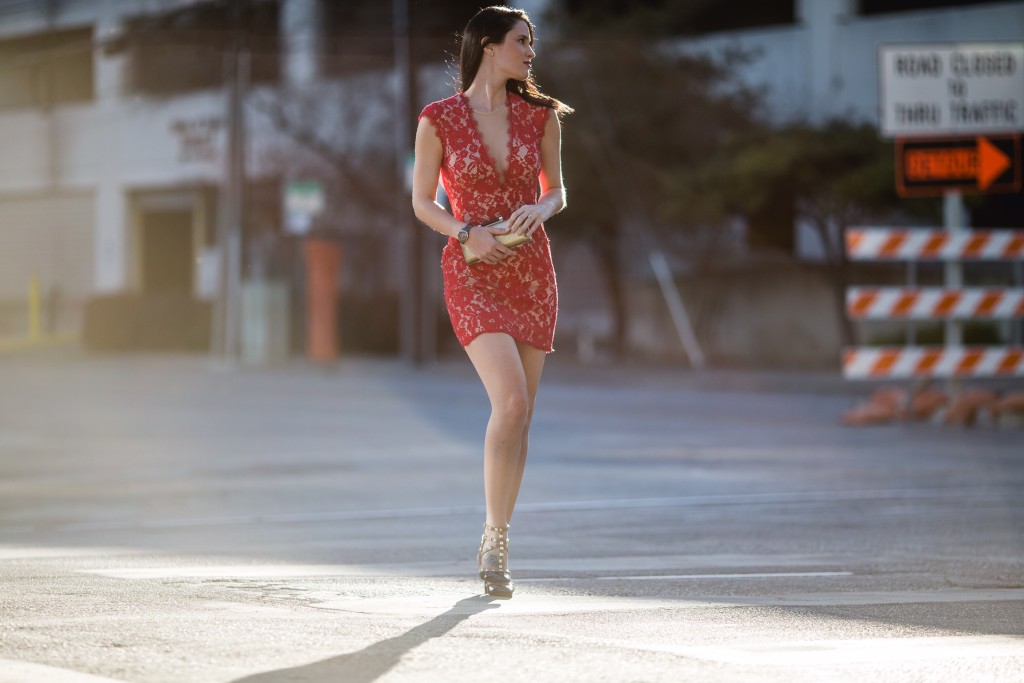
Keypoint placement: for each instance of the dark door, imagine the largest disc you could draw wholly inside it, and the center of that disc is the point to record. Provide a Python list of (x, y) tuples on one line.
[(167, 252)]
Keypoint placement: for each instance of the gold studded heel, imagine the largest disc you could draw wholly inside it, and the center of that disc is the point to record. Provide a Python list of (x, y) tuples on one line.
[(492, 559)]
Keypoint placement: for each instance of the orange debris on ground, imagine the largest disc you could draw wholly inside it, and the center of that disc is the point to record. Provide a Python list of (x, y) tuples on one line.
[(969, 405), (964, 409)]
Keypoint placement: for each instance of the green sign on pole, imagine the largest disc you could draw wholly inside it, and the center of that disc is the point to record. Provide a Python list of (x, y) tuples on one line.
[(303, 201)]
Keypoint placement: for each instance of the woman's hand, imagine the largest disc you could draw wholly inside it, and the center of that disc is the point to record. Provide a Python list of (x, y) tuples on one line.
[(526, 219), (483, 245)]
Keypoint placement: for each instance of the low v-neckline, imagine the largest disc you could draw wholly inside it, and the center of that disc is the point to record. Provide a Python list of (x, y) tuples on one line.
[(492, 162)]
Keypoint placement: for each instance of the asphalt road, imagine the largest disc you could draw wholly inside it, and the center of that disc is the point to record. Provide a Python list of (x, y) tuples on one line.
[(165, 520)]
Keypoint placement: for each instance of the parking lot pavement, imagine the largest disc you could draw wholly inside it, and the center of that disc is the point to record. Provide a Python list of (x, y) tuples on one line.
[(162, 519)]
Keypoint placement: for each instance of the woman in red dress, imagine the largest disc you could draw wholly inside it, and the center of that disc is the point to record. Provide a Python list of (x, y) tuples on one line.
[(493, 145)]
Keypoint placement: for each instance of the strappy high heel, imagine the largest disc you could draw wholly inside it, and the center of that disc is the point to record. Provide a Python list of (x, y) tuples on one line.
[(497, 580)]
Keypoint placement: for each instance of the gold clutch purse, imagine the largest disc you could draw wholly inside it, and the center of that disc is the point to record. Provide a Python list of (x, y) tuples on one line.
[(509, 239)]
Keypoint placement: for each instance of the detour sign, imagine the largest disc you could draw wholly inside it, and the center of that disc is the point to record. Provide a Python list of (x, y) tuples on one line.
[(969, 164)]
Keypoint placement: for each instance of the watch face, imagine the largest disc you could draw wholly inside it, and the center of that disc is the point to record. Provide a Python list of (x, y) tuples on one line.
[(463, 236)]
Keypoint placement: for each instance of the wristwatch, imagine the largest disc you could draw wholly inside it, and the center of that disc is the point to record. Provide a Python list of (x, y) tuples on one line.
[(463, 234)]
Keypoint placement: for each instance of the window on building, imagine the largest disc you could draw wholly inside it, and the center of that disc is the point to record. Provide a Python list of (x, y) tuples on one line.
[(741, 14), (183, 50), (360, 33), (677, 17), (46, 69), (868, 7)]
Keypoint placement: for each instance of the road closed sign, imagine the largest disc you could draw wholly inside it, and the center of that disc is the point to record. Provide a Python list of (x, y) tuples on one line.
[(929, 90)]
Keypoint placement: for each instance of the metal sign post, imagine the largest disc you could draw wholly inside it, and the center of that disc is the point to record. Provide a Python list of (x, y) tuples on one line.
[(953, 219)]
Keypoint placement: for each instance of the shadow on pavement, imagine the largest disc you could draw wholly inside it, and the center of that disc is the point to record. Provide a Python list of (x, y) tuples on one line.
[(375, 660)]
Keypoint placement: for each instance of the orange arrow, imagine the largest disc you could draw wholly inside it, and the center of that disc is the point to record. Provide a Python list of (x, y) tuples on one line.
[(991, 163)]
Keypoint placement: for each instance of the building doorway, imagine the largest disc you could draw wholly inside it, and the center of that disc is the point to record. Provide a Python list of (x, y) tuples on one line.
[(166, 251), (170, 238)]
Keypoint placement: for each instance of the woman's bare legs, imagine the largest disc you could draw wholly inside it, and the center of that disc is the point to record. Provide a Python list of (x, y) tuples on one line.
[(533, 365), (510, 372)]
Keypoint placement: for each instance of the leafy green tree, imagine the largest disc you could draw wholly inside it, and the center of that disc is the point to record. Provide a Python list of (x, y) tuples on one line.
[(641, 112), (832, 176)]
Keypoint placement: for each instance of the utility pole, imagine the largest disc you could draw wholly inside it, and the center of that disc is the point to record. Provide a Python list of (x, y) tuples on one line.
[(46, 83), (226, 319), (411, 309)]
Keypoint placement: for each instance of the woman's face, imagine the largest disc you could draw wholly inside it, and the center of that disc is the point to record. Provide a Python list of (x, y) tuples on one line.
[(515, 54)]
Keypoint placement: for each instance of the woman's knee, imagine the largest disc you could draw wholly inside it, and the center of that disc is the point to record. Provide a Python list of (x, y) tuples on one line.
[(513, 409)]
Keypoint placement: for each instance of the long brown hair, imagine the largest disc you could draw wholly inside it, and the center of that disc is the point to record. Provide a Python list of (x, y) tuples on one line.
[(490, 25)]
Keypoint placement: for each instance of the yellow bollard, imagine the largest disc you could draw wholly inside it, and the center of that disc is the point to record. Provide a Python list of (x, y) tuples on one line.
[(35, 308)]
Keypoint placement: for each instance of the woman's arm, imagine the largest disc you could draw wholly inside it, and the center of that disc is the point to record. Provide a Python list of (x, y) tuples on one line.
[(526, 219), (426, 169)]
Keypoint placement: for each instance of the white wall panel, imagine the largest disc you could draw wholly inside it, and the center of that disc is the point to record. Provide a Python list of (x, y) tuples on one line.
[(50, 236)]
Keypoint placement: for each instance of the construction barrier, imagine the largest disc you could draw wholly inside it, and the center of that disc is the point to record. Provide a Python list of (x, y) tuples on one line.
[(921, 244), (933, 303), (917, 362), (925, 363)]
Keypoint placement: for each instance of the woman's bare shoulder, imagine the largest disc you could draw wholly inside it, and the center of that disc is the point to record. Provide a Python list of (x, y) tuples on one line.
[(439, 107)]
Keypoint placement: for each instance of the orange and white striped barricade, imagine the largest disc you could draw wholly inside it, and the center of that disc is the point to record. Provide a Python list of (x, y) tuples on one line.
[(925, 362), (925, 244), (933, 303)]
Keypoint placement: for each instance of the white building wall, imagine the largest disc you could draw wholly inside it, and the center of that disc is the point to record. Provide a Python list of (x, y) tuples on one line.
[(825, 66), (23, 137), (776, 66), (858, 42), (43, 236), (824, 20), (18, 18)]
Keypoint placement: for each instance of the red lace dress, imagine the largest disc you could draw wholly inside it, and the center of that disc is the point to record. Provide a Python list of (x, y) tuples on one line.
[(518, 295)]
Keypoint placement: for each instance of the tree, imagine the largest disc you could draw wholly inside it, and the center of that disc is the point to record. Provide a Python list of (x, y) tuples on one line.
[(641, 113), (833, 176)]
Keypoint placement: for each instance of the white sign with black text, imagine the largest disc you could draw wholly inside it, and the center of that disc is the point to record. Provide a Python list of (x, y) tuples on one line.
[(951, 89)]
